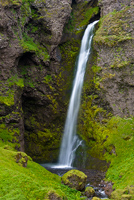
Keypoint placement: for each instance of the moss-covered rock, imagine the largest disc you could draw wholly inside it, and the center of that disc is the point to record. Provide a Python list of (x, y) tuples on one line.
[(75, 179), (55, 195), (89, 192), (95, 198)]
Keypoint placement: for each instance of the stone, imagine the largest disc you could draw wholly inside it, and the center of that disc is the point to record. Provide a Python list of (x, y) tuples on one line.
[(75, 179), (89, 192), (108, 189), (54, 195), (21, 158)]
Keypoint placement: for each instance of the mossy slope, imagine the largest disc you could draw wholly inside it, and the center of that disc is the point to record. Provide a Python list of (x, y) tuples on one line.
[(31, 182)]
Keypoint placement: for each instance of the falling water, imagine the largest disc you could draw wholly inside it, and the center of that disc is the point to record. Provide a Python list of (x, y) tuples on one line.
[(70, 141)]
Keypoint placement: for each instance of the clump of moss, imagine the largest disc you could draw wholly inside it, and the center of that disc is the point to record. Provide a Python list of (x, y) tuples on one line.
[(29, 45), (7, 95)]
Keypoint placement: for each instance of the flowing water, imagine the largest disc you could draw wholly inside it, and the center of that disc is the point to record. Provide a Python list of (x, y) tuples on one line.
[(70, 140)]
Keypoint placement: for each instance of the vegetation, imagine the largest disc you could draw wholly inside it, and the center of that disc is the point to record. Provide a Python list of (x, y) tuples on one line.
[(114, 28), (30, 46), (80, 17), (110, 139), (7, 95), (31, 182)]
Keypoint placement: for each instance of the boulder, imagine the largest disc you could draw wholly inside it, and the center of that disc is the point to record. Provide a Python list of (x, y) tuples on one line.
[(75, 179), (89, 192), (55, 195)]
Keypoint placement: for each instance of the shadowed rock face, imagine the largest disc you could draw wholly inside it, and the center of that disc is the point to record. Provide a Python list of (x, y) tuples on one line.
[(34, 88), (30, 65), (37, 56)]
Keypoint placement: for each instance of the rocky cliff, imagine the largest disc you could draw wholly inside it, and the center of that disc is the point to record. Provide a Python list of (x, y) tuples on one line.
[(38, 49), (39, 43), (109, 81)]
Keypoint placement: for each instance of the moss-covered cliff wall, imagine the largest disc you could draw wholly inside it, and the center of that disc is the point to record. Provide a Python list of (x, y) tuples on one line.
[(106, 115), (39, 45)]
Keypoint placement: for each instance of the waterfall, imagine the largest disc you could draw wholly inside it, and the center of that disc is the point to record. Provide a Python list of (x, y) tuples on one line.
[(70, 140)]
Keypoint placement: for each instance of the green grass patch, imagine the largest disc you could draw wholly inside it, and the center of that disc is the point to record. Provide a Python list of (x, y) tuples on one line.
[(31, 182), (122, 138), (111, 140)]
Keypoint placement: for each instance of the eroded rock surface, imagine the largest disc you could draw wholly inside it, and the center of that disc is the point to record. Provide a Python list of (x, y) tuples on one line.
[(37, 59), (114, 42)]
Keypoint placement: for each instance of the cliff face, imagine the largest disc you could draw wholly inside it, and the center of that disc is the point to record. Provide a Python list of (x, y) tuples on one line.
[(38, 48), (39, 43), (31, 100), (109, 82), (114, 42)]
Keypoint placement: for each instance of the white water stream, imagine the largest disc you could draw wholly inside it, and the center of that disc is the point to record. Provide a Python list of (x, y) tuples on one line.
[(70, 140)]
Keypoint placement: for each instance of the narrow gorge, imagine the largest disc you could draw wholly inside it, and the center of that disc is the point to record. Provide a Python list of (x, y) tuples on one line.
[(39, 47)]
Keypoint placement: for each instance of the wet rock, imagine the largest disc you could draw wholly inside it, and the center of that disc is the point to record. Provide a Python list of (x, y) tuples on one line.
[(75, 179), (108, 188)]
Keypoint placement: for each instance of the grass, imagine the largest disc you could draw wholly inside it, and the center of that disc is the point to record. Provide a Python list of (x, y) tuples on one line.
[(122, 137), (31, 182)]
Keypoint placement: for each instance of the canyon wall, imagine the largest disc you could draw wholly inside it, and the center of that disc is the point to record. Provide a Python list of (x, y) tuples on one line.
[(39, 43)]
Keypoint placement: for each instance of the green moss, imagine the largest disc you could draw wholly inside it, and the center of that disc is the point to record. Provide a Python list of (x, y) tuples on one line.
[(7, 99), (8, 88), (12, 2), (32, 182), (80, 17), (74, 179), (15, 80), (69, 52), (66, 176), (114, 142), (8, 135), (29, 45), (113, 28), (87, 15), (43, 141)]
